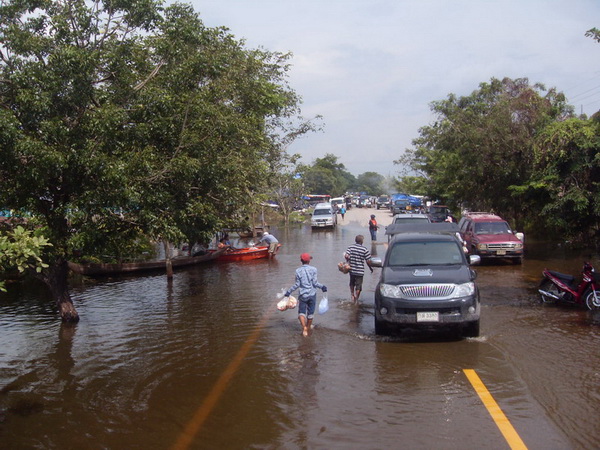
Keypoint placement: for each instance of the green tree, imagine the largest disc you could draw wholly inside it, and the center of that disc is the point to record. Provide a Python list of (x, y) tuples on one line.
[(21, 249), (482, 144), (564, 188), (327, 176), (122, 119), (371, 183)]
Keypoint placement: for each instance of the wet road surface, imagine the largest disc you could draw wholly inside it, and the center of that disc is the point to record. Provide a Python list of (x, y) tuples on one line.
[(208, 362)]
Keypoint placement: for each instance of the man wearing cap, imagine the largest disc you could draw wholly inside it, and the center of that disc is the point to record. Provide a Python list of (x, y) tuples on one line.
[(373, 227), (356, 255), (271, 241), (306, 280)]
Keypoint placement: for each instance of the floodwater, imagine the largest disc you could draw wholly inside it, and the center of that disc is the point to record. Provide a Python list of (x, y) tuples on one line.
[(208, 362)]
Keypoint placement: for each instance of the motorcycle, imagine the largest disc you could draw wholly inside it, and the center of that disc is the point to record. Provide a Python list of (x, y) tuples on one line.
[(556, 287)]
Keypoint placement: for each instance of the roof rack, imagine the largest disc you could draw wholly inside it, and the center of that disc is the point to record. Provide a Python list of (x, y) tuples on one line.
[(441, 227)]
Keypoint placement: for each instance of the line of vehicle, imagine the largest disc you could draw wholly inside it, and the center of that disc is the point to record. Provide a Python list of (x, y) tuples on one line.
[(193, 426), (510, 434)]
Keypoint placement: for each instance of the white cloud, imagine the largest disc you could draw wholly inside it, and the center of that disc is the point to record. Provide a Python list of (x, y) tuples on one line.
[(371, 67)]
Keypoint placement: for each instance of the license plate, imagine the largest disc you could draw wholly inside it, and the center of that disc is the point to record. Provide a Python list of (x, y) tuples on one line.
[(429, 316), (501, 252)]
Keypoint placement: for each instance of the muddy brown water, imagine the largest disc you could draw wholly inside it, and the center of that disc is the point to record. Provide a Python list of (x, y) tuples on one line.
[(208, 362)]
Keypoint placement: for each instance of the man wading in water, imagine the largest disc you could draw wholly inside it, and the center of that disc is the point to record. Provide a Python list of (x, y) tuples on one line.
[(356, 255), (306, 280)]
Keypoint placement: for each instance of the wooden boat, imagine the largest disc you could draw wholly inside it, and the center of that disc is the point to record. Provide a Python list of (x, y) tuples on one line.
[(245, 254), (103, 269)]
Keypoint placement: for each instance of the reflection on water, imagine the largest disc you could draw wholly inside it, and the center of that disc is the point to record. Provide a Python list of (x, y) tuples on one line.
[(147, 353)]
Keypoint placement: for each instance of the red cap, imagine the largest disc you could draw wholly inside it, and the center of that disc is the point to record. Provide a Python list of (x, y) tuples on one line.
[(305, 257)]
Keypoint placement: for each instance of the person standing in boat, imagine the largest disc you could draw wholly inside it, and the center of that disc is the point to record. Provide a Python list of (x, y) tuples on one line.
[(306, 280), (271, 241)]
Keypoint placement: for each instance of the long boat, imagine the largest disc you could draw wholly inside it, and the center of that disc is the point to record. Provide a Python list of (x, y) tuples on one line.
[(102, 269), (245, 254)]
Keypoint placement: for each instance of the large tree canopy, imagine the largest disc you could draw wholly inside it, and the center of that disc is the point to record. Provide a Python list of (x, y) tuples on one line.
[(482, 144), (121, 119), (327, 176)]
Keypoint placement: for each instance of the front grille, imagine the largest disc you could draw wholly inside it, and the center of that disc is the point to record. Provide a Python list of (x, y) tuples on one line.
[(500, 246), (427, 290)]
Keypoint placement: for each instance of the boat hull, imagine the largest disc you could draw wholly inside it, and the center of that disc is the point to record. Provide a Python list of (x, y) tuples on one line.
[(245, 254), (102, 269)]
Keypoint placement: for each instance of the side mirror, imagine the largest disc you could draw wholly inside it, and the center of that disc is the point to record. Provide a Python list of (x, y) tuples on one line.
[(376, 262), (474, 260)]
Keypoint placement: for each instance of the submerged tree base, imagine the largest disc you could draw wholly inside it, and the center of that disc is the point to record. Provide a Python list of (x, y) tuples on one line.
[(67, 310)]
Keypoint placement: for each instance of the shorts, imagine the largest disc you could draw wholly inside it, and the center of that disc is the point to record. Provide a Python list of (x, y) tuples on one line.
[(306, 306), (273, 247), (356, 281)]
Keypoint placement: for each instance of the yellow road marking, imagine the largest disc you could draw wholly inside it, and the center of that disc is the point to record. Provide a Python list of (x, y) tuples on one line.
[(507, 430), (202, 413)]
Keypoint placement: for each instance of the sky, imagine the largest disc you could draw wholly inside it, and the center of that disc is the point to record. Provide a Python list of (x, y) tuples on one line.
[(371, 68)]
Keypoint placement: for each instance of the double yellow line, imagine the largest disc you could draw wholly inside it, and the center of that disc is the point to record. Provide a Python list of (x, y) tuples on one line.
[(507, 430)]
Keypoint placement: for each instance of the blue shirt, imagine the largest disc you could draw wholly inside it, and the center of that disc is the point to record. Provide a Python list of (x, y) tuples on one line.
[(306, 280)]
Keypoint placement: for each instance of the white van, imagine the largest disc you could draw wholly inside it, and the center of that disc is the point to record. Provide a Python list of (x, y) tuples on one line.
[(323, 216), (337, 203)]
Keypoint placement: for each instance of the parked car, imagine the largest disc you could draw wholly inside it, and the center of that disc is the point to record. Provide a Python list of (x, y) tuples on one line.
[(439, 213), (491, 237), (427, 282), (323, 216), (401, 206), (383, 202)]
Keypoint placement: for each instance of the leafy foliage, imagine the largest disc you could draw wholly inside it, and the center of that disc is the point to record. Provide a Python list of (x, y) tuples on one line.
[(128, 120), (482, 144), (21, 249)]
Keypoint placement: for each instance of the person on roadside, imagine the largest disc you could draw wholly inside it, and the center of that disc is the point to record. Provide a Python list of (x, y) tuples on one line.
[(306, 281), (272, 243), (373, 227), (342, 211), (356, 255)]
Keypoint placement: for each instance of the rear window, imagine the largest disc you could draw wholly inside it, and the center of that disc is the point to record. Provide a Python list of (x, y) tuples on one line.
[(425, 253)]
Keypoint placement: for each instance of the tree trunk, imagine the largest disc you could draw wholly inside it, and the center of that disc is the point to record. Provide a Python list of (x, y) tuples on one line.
[(168, 262), (56, 278)]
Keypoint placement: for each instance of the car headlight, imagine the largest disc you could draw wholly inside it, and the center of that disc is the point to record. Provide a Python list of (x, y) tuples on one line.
[(390, 290), (518, 246), (481, 246), (464, 290)]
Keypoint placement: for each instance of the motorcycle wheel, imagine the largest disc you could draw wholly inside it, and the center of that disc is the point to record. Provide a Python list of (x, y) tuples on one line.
[(592, 300), (550, 287)]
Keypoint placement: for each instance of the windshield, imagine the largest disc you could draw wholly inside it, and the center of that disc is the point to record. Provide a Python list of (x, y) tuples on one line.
[(425, 253), (492, 228), (322, 212)]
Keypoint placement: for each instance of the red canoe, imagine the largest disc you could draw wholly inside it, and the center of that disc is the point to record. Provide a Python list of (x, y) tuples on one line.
[(246, 254)]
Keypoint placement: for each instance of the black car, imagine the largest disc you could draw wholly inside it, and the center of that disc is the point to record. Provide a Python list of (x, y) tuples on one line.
[(426, 281)]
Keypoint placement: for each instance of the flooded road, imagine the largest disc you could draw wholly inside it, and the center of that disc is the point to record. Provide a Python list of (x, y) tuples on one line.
[(208, 362)]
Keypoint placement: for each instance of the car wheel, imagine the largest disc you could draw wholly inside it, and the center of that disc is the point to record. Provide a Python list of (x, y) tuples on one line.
[(381, 328), (471, 329)]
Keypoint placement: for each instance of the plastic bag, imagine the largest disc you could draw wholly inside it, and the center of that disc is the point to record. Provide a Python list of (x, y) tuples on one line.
[(323, 305), (344, 267), (285, 302)]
